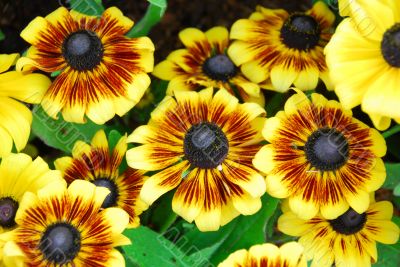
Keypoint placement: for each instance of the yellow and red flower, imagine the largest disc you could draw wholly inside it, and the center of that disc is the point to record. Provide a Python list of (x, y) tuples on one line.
[(99, 165), (278, 49), (103, 72), (63, 226), (321, 158), (202, 144), (204, 63), (349, 240)]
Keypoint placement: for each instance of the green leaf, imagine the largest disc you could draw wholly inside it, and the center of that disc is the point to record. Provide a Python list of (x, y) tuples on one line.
[(161, 215), (396, 190), (150, 249), (2, 36), (59, 133), (392, 175), (248, 231), (88, 7), (155, 11)]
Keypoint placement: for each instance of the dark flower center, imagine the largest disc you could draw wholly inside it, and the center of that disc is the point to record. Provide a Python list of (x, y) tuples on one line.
[(219, 67), (300, 32), (60, 243), (112, 197), (327, 149), (8, 209), (349, 223), (390, 46), (83, 50), (205, 145)]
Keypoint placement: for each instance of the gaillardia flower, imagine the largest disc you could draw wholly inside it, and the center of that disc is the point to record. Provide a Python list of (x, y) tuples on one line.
[(275, 47), (103, 72), (288, 255), (66, 227), (349, 240), (203, 145), (320, 157), (16, 118), (18, 175), (365, 62), (99, 165), (204, 63)]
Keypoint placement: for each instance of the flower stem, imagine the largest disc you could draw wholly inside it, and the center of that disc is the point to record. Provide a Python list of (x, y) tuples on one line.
[(391, 131)]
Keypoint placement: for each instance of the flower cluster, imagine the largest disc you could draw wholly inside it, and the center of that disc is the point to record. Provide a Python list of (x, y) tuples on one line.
[(209, 141)]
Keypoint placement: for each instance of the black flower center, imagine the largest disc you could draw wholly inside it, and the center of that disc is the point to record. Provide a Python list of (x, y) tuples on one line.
[(205, 145), (112, 197), (327, 149), (300, 32), (60, 243), (219, 67), (390, 46), (349, 223), (8, 209), (83, 50)]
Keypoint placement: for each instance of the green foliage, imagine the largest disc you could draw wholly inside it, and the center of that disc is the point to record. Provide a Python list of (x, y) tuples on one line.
[(88, 7), (392, 177), (2, 36), (60, 134), (154, 13)]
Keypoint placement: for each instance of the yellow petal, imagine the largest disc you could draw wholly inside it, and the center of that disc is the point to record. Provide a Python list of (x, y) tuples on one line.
[(307, 79), (306, 210), (246, 204), (100, 112), (63, 163), (387, 232), (208, 220), (218, 35), (7, 60), (239, 53), (379, 143), (264, 159), (282, 78), (272, 126), (165, 70), (138, 87), (80, 148), (116, 218), (295, 103), (32, 32), (99, 140), (276, 187), (116, 15), (254, 71), (16, 119), (189, 198), (162, 182), (6, 142), (115, 259), (359, 201), (191, 36), (13, 256)]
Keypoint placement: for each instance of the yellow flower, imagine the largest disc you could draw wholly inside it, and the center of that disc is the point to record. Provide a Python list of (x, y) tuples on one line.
[(204, 63), (99, 165), (202, 145), (349, 240), (288, 255), (321, 158), (275, 47), (19, 174), (364, 59), (16, 118), (103, 72), (66, 227)]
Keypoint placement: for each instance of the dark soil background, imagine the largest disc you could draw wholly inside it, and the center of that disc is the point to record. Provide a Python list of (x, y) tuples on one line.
[(204, 14)]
